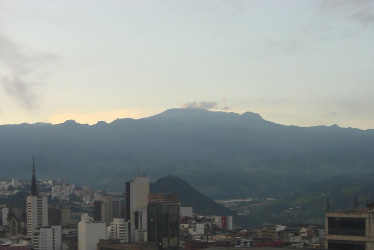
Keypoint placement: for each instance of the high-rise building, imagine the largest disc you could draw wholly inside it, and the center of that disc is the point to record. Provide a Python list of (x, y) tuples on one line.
[(37, 207), (137, 192), (163, 220), (103, 209), (47, 238), (90, 232)]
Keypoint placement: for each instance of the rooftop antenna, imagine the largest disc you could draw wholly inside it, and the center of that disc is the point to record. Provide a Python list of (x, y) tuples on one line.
[(356, 201)]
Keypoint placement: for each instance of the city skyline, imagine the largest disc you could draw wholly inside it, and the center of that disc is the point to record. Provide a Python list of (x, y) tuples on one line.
[(300, 63)]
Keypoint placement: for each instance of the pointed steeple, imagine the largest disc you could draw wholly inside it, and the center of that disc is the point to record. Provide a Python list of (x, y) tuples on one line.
[(34, 188)]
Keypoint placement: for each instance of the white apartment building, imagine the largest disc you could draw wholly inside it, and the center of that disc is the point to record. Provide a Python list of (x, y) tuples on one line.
[(4, 215), (121, 230), (37, 213), (47, 238), (90, 232)]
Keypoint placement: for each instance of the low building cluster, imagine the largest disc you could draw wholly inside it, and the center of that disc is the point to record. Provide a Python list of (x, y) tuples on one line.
[(8, 188), (62, 190), (297, 236), (141, 220), (137, 220)]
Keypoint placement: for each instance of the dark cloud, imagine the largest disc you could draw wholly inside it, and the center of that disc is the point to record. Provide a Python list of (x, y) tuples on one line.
[(20, 66), (200, 105), (226, 108), (333, 113)]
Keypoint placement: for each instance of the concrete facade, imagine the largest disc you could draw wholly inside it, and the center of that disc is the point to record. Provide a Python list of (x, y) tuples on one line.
[(139, 191), (351, 229)]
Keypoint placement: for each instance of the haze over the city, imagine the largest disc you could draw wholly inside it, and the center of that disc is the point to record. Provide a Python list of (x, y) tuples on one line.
[(295, 62)]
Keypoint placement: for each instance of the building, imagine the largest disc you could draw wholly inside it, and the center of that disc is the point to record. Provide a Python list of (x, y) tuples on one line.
[(65, 216), (47, 238), (163, 220), (223, 222), (116, 245), (220, 244), (140, 227), (70, 237), (90, 232), (37, 207), (12, 247), (120, 230), (103, 209), (195, 228), (59, 216), (117, 208), (54, 215), (127, 201), (4, 216), (137, 192), (350, 229), (186, 212), (16, 222)]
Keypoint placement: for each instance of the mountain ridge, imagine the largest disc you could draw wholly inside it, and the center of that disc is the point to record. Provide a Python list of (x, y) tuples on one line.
[(178, 113), (197, 145)]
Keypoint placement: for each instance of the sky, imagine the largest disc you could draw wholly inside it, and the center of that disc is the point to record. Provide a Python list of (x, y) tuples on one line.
[(299, 62)]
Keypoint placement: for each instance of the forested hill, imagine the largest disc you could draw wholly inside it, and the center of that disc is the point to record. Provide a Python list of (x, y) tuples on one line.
[(188, 196)]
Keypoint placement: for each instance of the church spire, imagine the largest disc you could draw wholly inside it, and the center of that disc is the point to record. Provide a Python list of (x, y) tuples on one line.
[(34, 189)]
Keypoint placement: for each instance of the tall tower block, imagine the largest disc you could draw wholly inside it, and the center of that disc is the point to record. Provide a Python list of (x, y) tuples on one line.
[(37, 207)]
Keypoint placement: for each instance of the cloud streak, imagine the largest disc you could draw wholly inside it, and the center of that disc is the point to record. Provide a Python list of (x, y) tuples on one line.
[(19, 66), (360, 11)]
